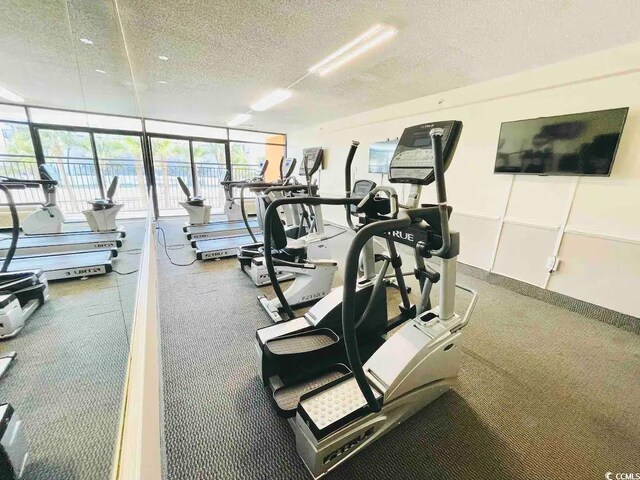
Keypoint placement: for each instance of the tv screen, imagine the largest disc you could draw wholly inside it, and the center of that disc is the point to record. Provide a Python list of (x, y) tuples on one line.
[(576, 144), (380, 154)]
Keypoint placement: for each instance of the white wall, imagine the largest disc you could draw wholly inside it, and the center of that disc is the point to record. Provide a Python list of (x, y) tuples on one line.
[(512, 224)]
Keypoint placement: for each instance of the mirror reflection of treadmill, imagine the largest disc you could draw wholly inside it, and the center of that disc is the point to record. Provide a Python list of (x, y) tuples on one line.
[(210, 249), (67, 265)]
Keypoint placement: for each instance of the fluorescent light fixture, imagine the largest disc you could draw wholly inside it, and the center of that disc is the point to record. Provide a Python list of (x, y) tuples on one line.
[(86, 41), (9, 95), (163, 58), (238, 119), (100, 71), (377, 34), (162, 82), (274, 98)]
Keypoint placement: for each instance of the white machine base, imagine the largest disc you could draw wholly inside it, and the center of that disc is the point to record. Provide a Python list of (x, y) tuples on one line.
[(198, 214), (412, 368), (42, 221), (310, 285), (103, 220), (260, 276)]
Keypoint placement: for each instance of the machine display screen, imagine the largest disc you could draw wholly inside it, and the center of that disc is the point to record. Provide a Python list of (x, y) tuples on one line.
[(422, 141), (413, 160)]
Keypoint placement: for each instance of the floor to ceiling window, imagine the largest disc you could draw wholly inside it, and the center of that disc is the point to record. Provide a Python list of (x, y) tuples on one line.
[(171, 159), (18, 159), (210, 160), (85, 151), (69, 157)]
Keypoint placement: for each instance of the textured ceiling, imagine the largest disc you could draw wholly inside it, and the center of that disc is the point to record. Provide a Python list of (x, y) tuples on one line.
[(224, 55)]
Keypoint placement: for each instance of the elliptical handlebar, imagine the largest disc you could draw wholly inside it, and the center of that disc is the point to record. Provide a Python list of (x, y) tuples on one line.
[(391, 193), (438, 169), (403, 220), (351, 273), (347, 178)]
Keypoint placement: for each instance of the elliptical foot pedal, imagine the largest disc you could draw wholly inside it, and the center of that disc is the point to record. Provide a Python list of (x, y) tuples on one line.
[(302, 342), (288, 397)]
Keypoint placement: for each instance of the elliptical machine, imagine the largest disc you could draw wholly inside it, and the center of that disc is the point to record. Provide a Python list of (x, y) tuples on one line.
[(337, 410), (231, 207), (101, 217), (199, 213), (296, 223)]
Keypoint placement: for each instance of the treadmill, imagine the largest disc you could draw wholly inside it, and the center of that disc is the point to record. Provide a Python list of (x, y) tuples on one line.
[(67, 265), (227, 246), (224, 228), (47, 244), (56, 266)]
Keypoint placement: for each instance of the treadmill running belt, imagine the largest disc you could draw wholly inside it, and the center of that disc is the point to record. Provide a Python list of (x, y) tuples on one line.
[(222, 247), (47, 244), (220, 226), (69, 265)]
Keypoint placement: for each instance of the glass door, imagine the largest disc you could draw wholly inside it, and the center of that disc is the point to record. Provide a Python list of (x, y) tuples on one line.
[(171, 159)]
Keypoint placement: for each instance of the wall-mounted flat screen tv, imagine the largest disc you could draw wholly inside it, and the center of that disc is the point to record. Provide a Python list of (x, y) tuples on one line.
[(380, 154), (576, 144)]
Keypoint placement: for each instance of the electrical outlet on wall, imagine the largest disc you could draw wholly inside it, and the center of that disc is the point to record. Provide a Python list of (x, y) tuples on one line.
[(552, 263)]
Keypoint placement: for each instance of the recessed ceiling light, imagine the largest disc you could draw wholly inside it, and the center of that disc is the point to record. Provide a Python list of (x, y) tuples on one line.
[(369, 39), (100, 71), (9, 95), (238, 119), (163, 58), (162, 82), (274, 98), (86, 41)]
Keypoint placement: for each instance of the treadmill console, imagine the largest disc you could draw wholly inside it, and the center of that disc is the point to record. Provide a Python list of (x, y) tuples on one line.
[(412, 162), (312, 157), (287, 166)]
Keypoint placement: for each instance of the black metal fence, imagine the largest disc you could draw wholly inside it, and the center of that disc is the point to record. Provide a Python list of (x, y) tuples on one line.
[(78, 181)]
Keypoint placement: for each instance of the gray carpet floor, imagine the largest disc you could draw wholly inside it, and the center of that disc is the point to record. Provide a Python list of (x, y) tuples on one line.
[(67, 381), (544, 393)]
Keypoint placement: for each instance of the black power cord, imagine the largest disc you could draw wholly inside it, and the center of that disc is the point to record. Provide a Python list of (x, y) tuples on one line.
[(166, 250)]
